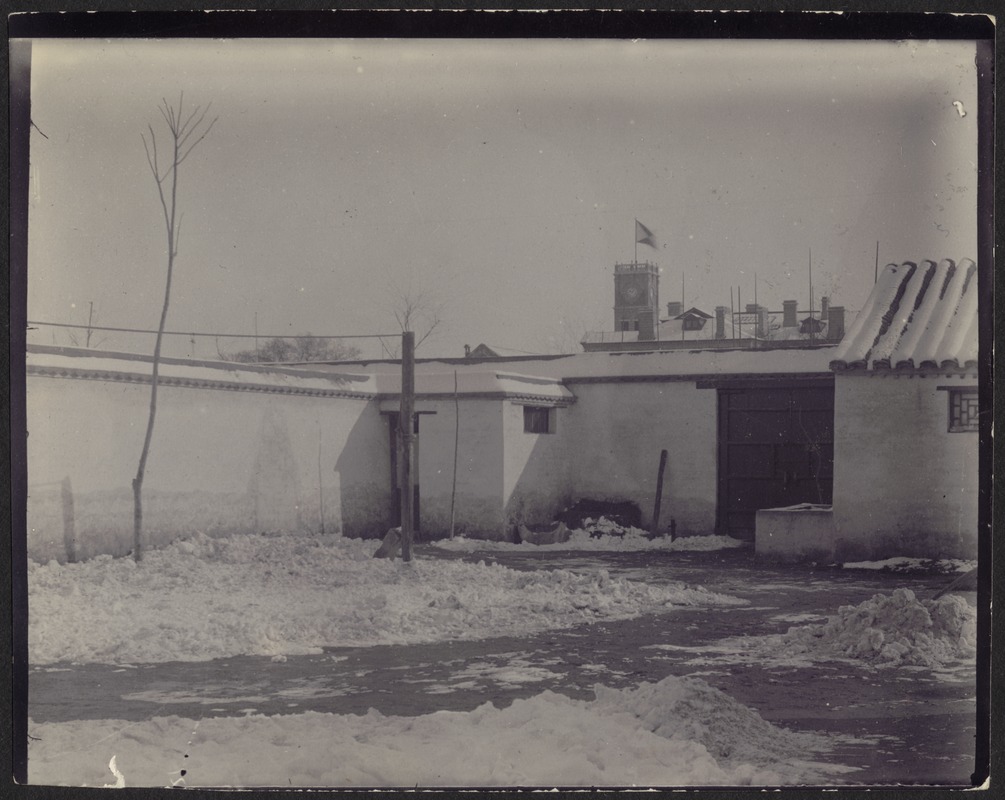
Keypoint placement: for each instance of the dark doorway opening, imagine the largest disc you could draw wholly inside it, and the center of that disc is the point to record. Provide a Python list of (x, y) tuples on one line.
[(776, 449)]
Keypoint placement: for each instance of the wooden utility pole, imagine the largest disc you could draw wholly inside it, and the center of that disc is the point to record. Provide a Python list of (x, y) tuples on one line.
[(654, 530), (406, 427), (810, 270), (457, 431)]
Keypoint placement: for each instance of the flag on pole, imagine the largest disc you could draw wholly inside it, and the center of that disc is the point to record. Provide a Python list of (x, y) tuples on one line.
[(644, 236)]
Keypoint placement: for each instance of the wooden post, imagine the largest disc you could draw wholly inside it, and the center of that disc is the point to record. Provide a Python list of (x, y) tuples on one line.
[(69, 531), (406, 423), (654, 530), (457, 431)]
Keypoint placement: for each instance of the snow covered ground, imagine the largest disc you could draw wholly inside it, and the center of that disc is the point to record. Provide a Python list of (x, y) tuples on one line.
[(204, 598), (678, 732), (886, 631), (602, 536)]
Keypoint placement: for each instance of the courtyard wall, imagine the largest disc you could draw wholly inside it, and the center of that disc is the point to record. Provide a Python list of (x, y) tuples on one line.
[(234, 449), (477, 504), (903, 484), (617, 430)]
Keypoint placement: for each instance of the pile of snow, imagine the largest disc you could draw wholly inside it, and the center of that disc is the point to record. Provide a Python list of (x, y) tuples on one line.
[(601, 535), (205, 598), (888, 630), (910, 566), (678, 732)]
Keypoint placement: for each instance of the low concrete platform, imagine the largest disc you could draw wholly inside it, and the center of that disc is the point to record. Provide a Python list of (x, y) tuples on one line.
[(803, 532)]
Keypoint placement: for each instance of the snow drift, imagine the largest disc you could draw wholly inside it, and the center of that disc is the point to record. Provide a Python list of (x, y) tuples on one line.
[(205, 598), (601, 535), (887, 630), (678, 732)]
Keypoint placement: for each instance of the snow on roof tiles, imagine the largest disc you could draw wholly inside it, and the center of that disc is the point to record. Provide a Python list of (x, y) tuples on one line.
[(919, 316)]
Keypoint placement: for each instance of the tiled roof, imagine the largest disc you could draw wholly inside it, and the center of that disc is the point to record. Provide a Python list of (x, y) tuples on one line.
[(919, 316)]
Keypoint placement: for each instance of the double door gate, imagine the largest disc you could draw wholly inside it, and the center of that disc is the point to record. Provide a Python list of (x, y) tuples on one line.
[(776, 449)]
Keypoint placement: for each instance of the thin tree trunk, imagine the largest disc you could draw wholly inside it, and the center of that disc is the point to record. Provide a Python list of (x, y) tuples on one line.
[(182, 129), (141, 469)]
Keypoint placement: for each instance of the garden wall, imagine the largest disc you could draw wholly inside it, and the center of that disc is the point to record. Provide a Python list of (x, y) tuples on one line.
[(234, 449)]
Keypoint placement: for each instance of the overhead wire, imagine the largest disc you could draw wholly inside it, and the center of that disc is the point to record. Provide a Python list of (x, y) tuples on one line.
[(218, 335)]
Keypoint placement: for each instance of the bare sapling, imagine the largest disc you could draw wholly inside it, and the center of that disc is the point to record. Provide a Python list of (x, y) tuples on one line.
[(185, 131)]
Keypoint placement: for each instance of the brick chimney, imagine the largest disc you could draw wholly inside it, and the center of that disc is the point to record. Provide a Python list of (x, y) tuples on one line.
[(647, 325), (467, 351), (720, 322), (825, 304), (835, 323), (789, 314), (675, 309)]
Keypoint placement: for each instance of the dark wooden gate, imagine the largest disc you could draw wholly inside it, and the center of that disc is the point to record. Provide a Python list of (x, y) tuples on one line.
[(776, 449)]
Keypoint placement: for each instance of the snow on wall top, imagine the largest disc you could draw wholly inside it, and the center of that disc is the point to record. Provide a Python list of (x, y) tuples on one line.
[(432, 379), (636, 364), (535, 378), (73, 362), (919, 316), (685, 363), (481, 379)]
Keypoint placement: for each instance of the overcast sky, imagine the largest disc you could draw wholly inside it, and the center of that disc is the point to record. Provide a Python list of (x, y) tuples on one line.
[(502, 177)]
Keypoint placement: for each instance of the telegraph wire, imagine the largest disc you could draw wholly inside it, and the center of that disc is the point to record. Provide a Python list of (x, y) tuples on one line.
[(217, 335)]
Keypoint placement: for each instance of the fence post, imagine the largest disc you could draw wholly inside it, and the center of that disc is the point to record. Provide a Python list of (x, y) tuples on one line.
[(654, 530), (69, 532), (406, 422)]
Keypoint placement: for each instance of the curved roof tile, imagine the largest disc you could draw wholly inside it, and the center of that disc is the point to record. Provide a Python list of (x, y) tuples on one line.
[(919, 316)]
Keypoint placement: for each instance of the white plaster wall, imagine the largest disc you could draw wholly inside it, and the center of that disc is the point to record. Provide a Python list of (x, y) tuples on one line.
[(903, 485), (537, 467), (614, 433), (478, 506), (220, 462)]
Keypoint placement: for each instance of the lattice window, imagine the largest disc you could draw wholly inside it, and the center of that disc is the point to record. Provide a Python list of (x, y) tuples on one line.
[(963, 410), (538, 419)]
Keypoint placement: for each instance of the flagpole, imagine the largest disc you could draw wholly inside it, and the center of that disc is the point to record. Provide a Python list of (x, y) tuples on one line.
[(636, 242)]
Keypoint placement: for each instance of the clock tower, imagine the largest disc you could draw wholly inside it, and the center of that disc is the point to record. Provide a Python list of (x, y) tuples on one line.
[(636, 289)]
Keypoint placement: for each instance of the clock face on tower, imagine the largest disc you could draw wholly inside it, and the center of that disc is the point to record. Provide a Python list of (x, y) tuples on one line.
[(631, 292)]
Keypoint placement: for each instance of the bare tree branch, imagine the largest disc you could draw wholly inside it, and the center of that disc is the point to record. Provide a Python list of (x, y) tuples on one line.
[(203, 136), (419, 312)]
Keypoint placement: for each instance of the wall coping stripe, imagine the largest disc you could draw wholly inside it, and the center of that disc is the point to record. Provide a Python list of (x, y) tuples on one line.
[(299, 371), (233, 386), (715, 378), (516, 397), (190, 383)]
